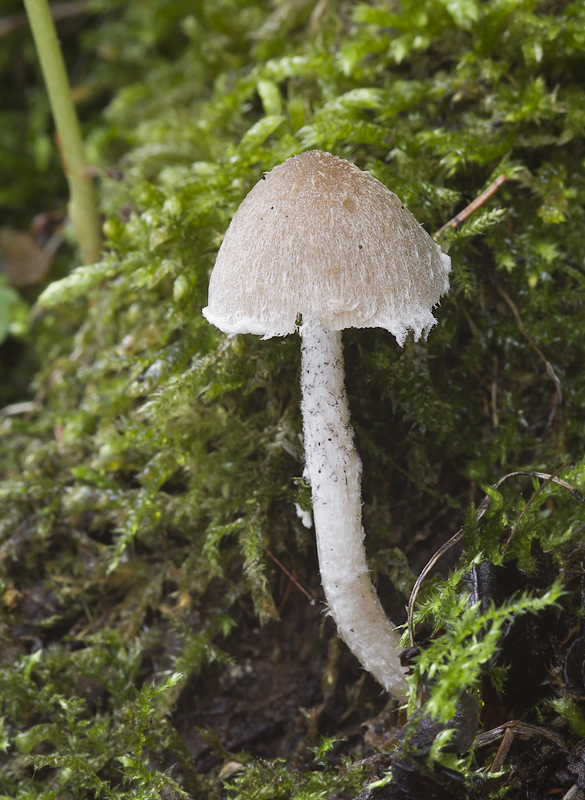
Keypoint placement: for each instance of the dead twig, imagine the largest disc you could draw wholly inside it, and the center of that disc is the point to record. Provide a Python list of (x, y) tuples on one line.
[(558, 396), (523, 729), (291, 577), (503, 750), (482, 508), (529, 503), (473, 206)]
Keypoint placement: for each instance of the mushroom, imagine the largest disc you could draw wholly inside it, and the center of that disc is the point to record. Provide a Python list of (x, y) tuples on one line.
[(321, 240)]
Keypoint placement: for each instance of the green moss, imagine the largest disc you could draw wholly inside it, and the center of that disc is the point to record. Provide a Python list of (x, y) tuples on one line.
[(164, 458)]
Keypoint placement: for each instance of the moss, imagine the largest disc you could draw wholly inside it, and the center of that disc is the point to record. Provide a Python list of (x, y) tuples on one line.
[(140, 497)]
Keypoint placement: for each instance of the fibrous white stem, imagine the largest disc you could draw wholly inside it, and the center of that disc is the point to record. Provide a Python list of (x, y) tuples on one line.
[(334, 469)]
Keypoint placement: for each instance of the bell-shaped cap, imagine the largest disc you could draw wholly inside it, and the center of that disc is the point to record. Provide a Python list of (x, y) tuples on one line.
[(319, 237)]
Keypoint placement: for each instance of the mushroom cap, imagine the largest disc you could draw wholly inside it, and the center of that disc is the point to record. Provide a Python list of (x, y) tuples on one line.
[(319, 237)]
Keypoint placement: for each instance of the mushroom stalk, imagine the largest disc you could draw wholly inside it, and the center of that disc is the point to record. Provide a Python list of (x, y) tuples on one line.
[(334, 469)]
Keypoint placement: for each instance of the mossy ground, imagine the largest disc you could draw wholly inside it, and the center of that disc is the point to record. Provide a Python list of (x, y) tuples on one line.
[(148, 638)]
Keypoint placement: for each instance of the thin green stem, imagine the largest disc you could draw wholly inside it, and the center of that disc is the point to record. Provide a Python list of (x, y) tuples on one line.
[(82, 203)]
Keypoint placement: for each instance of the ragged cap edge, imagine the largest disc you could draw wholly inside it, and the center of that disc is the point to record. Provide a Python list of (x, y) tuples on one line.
[(245, 325), (420, 326)]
